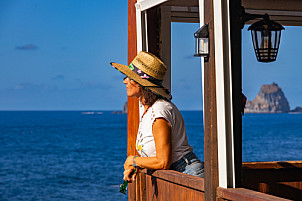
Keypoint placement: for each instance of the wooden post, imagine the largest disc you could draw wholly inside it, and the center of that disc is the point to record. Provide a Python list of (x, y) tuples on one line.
[(235, 28), (210, 118), (133, 111), (153, 30)]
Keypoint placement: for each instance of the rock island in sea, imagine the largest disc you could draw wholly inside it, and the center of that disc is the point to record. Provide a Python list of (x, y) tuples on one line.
[(270, 99)]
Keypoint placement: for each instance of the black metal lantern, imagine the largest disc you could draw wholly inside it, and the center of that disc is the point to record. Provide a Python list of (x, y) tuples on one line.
[(202, 42), (266, 39)]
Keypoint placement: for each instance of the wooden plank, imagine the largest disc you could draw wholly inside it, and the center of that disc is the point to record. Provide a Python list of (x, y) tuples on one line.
[(189, 3), (287, 13), (186, 20), (272, 165), (280, 181), (286, 18), (153, 30), (185, 14), (236, 63), (141, 187), (188, 17), (285, 5), (177, 178), (245, 194), (133, 112), (283, 20), (158, 189), (165, 43), (210, 111)]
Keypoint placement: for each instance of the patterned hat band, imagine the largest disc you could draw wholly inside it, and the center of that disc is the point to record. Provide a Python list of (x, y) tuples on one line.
[(144, 75)]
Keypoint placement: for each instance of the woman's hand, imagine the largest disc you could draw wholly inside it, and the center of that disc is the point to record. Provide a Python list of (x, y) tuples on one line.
[(128, 163), (129, 175)]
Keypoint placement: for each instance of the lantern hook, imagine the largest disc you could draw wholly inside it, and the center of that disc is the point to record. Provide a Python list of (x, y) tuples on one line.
[(244, 17)]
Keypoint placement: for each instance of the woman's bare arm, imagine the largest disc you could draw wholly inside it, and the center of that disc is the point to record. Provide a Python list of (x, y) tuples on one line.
[(163, 144)]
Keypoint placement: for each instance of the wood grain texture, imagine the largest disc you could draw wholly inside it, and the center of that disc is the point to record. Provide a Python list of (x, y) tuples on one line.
[(189, 3), (245, 194), (282, 179), (288, 10), (158, 189), (236, 71), (272, 165), (153, 30), (177, 178), (210, 112), (133, 112), (288, 5)]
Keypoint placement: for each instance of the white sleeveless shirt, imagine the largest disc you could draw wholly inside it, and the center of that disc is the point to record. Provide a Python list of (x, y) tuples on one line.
[(145, 143)]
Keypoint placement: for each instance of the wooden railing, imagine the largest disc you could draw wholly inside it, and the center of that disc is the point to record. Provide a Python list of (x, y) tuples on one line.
[(282, 179), (260, 181), (244, 194), (168, 185)]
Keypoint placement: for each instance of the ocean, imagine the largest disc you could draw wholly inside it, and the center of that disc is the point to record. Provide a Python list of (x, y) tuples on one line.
[(76, 155)]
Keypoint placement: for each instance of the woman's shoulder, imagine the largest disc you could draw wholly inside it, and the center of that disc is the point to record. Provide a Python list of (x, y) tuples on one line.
[(166, 109), (162, 104)]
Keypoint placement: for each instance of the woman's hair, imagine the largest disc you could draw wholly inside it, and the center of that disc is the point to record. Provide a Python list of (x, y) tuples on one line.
[(147, 97)]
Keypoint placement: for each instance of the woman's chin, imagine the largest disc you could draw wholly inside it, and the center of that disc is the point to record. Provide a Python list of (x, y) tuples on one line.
[(132, 95)]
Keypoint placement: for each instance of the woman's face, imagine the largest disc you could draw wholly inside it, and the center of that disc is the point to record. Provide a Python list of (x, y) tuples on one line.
[(132, 87)]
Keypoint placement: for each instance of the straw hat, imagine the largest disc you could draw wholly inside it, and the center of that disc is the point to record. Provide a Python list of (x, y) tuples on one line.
[(148, 71)]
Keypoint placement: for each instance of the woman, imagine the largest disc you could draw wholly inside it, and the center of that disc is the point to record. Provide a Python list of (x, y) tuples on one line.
[(161, 139)]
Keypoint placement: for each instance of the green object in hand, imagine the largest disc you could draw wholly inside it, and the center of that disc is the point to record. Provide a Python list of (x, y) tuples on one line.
[(124, 185)]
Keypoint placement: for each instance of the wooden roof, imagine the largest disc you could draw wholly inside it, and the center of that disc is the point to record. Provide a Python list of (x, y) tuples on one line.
[(286, 12)]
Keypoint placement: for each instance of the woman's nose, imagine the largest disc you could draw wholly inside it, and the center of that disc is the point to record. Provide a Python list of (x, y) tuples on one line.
[(125, 80)]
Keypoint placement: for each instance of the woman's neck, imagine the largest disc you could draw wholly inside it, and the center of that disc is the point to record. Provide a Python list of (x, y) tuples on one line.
[(146, 107)]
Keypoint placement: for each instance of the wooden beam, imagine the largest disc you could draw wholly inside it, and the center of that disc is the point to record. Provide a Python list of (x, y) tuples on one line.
[(165, 43), (192, 17), (190, 3), (245, 194), (153, 30), (210, 111), (236, 63), (285, 5), (287, 13), (133, 111), (272, 165), (279, 178), (172, 176)]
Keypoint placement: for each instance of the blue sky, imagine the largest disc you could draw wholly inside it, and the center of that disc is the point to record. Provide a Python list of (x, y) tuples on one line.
[(55, 55)]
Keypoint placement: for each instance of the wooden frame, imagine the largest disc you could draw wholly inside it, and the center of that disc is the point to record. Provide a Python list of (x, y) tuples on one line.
[(133, 110), (159, 43), (210, 112)]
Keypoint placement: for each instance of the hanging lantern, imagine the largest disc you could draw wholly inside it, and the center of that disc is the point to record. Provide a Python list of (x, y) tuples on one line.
[(202, 42), (266, 39)]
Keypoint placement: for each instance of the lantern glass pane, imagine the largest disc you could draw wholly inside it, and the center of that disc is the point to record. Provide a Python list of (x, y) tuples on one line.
[(202, 45), (273, 40), (265, 40), (254, 39), (278, 36), (196, 46), (259, 38)]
